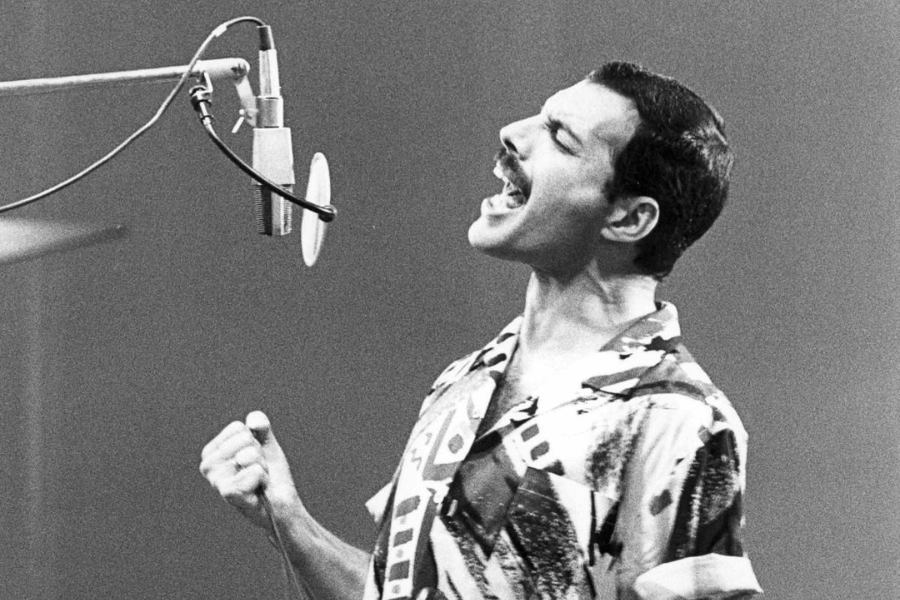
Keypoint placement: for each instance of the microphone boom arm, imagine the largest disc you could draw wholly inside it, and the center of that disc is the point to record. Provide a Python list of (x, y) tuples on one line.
[(220, 68)]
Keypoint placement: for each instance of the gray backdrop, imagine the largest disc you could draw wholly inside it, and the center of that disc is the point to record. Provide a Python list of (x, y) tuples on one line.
[(119, 361)]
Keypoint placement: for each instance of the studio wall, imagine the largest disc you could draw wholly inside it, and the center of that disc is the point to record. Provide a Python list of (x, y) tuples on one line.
[(120, 360)]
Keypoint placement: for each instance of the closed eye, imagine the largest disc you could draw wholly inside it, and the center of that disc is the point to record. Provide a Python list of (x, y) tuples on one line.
[(554, 127)]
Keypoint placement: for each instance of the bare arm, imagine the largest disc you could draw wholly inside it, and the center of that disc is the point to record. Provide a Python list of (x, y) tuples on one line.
[(246, 458)]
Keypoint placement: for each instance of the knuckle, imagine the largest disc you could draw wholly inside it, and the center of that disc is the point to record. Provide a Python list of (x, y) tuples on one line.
[(249, 455), (211, 463), (213, 479), (259, 474), (230, 490), (218, 484)]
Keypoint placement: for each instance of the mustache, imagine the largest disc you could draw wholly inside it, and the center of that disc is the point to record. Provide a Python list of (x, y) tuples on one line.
[(509, 164)]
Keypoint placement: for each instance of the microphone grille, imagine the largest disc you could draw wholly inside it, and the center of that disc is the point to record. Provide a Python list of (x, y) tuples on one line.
[(274, 216)]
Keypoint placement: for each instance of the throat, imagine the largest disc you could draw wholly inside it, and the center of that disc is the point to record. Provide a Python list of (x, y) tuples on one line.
[(526, 379)]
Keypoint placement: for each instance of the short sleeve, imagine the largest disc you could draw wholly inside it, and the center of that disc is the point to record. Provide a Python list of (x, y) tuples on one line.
[(709, 576), (681, 513)]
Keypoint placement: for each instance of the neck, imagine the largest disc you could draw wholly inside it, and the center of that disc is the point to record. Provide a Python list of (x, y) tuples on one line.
[(583, 312)]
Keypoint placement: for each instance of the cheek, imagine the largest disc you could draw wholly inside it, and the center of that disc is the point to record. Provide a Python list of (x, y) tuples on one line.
[(581, 183), (568, 184), (587, 202)]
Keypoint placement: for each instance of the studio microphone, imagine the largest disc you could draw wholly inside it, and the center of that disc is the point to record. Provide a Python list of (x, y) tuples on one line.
[(272, 150)]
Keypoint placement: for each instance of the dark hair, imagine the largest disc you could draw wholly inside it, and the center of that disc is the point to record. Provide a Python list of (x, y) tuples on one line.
[(679, 156)]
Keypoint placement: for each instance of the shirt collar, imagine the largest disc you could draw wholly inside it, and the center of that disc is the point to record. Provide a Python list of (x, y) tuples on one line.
[(498, 352), (619, 362), (625, 358), (653, 332)]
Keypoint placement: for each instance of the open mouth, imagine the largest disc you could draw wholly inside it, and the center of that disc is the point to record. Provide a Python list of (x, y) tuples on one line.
[(515, 191)]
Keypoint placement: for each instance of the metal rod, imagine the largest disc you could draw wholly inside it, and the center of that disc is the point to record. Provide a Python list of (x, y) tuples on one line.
[(232, 68)]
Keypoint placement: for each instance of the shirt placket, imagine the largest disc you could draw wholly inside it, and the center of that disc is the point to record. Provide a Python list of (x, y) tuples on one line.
[(431, 460)]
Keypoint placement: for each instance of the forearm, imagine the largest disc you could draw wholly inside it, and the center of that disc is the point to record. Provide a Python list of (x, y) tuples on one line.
[(330, 568)]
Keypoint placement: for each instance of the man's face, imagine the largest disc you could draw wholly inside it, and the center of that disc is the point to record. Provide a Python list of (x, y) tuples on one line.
[(554, 167)]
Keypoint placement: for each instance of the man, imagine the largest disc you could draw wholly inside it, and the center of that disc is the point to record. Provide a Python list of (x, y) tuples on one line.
[(582, 453)]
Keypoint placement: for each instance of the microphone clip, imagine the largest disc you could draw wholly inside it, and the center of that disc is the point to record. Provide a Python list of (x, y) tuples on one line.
[(201, 99)]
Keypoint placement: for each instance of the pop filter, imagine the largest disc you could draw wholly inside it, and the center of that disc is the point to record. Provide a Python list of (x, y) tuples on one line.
[(318, 191)]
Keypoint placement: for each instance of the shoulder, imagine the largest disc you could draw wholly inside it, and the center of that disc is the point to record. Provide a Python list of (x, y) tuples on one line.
[(678, 389), (455, 371)]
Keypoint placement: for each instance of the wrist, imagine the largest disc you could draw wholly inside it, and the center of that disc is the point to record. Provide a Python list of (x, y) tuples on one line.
[(288, 514)]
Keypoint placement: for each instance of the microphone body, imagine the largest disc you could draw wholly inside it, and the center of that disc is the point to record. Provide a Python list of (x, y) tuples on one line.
[(272, 148)]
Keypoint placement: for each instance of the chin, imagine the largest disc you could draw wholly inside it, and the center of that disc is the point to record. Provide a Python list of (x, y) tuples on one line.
[(490, 243), (475, 234), (481, 237)]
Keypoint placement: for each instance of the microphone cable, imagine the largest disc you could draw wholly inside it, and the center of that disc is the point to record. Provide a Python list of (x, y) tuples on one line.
[(289, 574), (215, 33), (200, 99)]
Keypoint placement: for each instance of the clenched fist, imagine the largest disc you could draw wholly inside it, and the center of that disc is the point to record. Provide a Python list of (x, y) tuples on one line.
[(245, 460)]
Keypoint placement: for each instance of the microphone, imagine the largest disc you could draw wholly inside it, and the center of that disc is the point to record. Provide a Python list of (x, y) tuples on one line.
[(272, 150), (273, 160)]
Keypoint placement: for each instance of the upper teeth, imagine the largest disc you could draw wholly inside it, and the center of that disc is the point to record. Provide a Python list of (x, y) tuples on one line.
[(508, 186)]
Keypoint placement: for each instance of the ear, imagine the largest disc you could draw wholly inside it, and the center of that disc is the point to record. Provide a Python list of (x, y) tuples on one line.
[(630, 219)]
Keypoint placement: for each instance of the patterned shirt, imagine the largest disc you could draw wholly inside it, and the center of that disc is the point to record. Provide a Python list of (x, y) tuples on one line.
[(629, 487)]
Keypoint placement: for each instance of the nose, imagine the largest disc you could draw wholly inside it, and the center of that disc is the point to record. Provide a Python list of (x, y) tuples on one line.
[(515, 137)]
